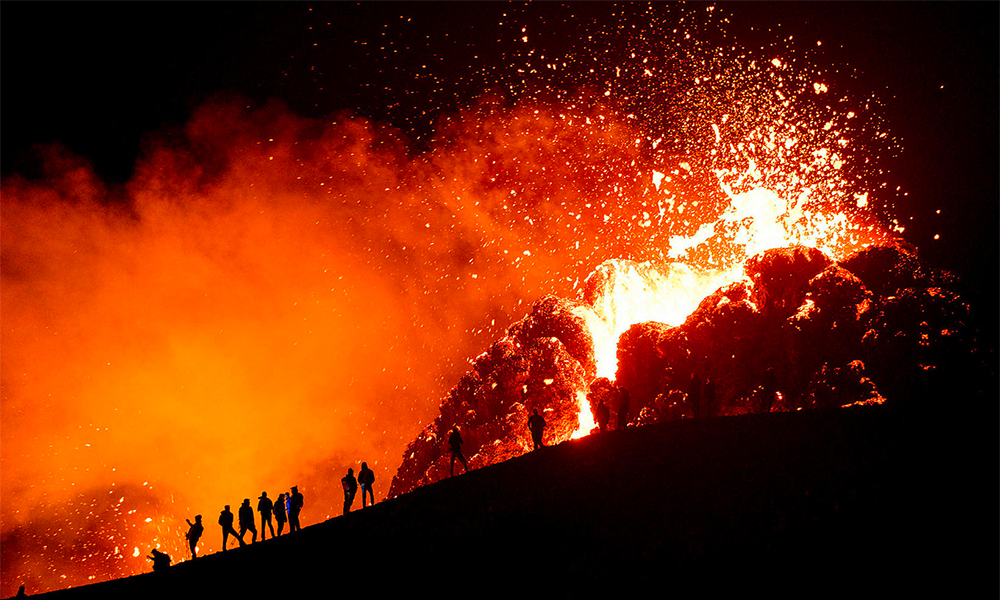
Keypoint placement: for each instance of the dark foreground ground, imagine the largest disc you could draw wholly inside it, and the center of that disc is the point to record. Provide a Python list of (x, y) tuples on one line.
[(869, 502)]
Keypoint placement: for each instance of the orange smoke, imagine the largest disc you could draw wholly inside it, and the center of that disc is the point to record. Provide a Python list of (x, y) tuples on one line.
[(268, 301)]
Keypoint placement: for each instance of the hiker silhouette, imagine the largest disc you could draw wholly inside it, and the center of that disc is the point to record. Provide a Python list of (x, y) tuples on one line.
[(264, 507), (366, 477), (295, 503), (602, 414), (246, 520), (455, 442), (194, 534), (536, 424), (161, 560), (226, 521), (350, 485), (279, 512)]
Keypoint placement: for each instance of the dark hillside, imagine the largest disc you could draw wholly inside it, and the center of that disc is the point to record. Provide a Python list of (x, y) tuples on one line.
[(867, 501)]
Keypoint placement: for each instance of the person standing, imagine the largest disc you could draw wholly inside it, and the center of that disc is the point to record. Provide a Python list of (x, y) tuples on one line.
[(366, 478), (455, 442), (226, 521), (280, 514), (603, 415), (536, 424), (264, 507), (350, 485), (194, 534), (246, 520), (294, 508)]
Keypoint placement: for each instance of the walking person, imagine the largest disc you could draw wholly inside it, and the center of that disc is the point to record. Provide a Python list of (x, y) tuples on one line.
[(226, 521), (366, 478), (194, 534), (536, 424), (350, 485), (246, 520), (264, 507), (280, 514), (455, 442)]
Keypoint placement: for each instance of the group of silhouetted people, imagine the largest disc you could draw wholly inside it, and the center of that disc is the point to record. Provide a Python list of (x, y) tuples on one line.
[(285, 509), (350, 483)]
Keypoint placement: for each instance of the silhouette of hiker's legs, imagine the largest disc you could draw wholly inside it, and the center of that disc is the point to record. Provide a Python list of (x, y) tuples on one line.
[(226, 532), (250, 528), (365, 492), (263, 530), (461, 457), (281, 526)]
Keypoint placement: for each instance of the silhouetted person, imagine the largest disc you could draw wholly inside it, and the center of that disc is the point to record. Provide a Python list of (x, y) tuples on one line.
[(455, 442), (709, 396), (603, 415), (770, 388), (366, 478), (536, 424), (694, 395), (161, 561), (295, 504), (264, 507), (350, 485), (226, 520), (623, 411), (20, 593), (194, 534), (246, 520), (280, 514)]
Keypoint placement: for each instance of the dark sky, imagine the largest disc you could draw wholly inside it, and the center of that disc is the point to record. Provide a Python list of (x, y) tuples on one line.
[(98, 76)]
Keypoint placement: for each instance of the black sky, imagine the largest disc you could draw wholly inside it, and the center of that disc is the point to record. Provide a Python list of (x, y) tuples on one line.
[(99, 76)]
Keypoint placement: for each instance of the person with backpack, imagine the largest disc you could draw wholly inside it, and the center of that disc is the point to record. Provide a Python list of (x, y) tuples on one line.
[(194, 534), (161, 561), (365, 479)]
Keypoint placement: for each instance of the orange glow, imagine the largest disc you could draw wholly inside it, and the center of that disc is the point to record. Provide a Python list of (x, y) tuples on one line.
[(273, 299)]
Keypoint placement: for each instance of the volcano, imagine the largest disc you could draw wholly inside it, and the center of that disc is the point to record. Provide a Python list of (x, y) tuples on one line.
[(878, 326)]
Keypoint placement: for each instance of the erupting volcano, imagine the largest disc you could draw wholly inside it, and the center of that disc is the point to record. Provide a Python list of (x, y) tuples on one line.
[(652, 217)]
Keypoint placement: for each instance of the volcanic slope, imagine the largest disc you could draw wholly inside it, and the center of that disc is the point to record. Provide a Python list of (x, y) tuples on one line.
[(864, 500)]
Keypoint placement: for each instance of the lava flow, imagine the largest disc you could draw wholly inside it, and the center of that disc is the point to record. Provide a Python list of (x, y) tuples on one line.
[(272, 298)]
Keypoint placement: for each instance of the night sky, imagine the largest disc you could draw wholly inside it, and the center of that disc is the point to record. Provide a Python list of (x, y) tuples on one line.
[(100, 76)]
